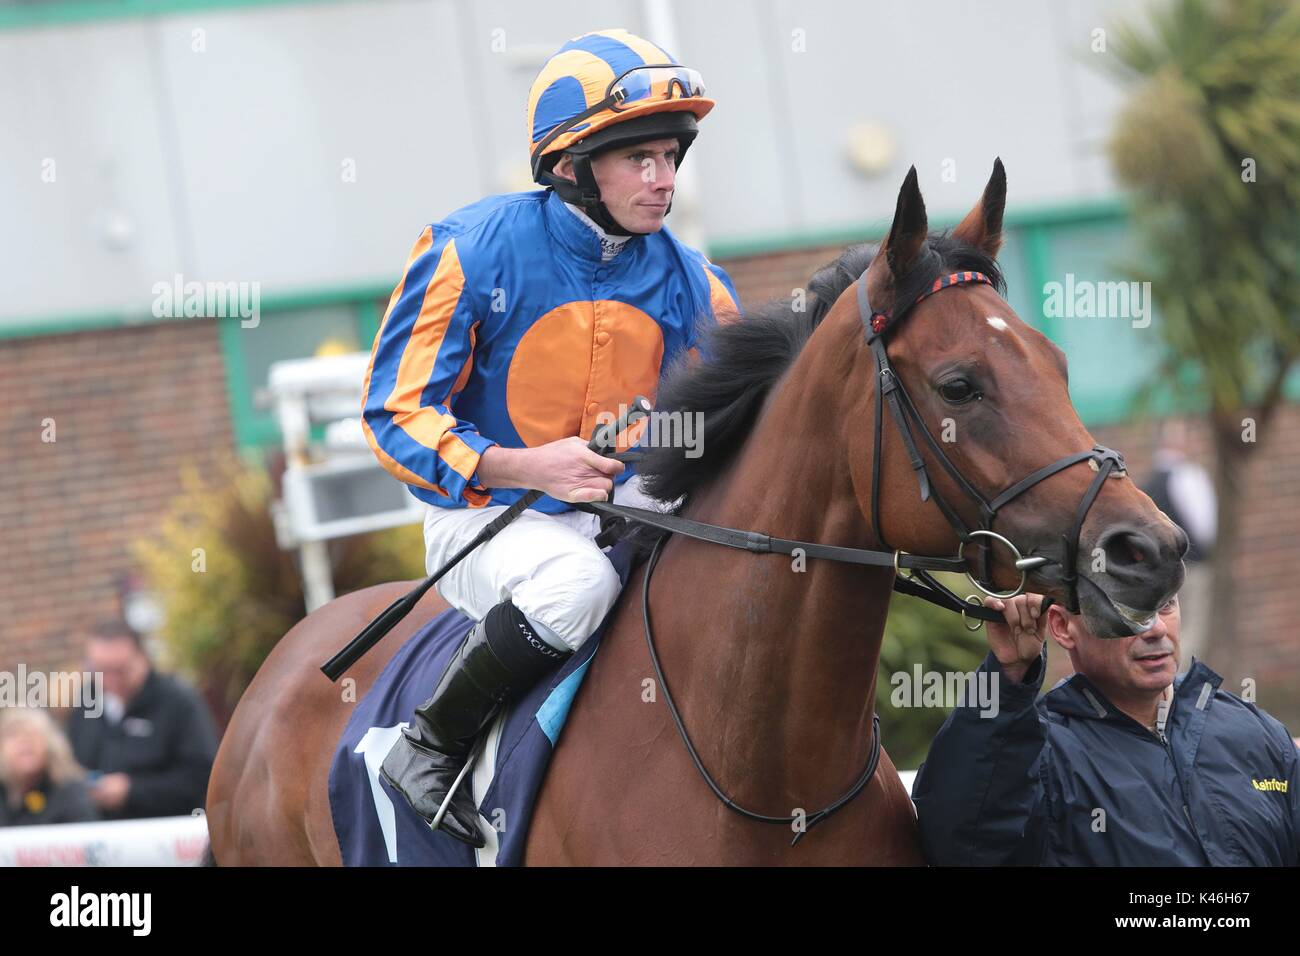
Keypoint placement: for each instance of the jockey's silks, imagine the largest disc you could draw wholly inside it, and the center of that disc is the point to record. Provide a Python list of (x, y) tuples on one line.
[(508, 329)]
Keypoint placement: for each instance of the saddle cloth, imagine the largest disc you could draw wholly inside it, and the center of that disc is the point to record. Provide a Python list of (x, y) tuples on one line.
[(375, 825)]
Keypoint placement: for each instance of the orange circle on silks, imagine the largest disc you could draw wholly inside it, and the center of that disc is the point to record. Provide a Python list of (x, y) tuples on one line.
[(578, 361)]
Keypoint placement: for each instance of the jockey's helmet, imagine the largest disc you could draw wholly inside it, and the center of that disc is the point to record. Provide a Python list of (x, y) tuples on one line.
[(602, 90)]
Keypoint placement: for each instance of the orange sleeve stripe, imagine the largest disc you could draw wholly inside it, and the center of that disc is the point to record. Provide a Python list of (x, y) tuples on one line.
[(426, 424), (463, 377), (474, 498), (393, 467), (422, 245), (432, 429), (725, 309)]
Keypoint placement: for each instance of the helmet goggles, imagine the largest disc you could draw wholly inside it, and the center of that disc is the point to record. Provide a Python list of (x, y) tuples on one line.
[(652, 81)]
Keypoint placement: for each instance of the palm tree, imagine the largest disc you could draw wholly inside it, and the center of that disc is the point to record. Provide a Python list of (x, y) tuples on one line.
[(1209, 144)]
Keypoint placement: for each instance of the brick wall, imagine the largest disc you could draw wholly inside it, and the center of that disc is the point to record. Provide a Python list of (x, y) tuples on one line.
[(129, 405)]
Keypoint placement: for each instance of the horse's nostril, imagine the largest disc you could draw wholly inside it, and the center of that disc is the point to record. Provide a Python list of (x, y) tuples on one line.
[(1126, 547)]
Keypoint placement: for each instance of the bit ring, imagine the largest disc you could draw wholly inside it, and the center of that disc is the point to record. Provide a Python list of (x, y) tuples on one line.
[(1004, 595), (898, 571)]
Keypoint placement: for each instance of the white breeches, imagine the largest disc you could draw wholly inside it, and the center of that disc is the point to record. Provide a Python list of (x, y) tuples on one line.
[(547, 565)]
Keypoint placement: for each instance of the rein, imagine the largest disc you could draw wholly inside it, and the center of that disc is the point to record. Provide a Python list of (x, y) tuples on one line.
[(809, 820)]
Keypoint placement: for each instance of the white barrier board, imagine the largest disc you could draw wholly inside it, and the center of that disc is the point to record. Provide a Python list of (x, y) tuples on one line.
[(161, 841)]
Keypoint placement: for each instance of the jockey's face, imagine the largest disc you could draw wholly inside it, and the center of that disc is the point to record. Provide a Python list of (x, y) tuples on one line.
[(636, 182)]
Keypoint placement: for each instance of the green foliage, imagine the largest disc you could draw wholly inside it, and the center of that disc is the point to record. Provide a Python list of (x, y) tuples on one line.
[(228, 592), (918, 633), (1210, 144)]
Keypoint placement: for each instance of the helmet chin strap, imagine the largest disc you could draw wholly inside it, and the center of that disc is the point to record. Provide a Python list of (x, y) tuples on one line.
[(585, 194)]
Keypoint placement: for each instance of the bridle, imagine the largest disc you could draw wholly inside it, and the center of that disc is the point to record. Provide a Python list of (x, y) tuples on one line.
[(1105, 461), (920, 582)]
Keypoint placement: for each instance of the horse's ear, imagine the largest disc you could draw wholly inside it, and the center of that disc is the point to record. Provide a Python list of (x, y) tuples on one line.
[(982, 227), (909, 229)]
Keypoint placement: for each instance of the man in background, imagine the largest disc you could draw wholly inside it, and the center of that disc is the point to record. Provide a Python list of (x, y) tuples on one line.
[(151, 750), (1182, 489)]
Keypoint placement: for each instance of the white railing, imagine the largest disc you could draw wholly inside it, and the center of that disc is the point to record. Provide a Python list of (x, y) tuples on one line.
[(161, 841), (907, 776)]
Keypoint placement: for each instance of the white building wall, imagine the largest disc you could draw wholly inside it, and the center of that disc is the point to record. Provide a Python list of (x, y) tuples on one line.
[(227, 162)]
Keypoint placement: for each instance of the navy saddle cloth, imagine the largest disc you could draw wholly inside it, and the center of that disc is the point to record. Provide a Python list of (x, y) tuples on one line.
[(375, 825)]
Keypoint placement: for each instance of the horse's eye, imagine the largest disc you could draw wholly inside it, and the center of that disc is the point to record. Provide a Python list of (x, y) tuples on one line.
[(957, 391)]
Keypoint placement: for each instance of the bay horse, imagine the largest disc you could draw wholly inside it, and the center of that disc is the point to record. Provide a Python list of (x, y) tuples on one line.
[(772, 664)]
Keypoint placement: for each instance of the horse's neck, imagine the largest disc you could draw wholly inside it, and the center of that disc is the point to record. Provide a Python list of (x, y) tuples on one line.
[(777, 656)]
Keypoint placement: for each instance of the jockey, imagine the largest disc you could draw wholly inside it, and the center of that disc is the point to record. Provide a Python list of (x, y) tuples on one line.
[(522, 322)]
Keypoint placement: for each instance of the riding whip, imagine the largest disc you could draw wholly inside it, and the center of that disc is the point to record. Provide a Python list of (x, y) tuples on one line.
[(603, 439)]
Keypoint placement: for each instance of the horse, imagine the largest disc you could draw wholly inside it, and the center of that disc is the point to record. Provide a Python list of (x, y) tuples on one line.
[(772, 661)]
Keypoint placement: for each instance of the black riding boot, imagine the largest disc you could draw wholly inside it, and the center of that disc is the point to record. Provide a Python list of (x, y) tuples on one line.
[(500, 658)]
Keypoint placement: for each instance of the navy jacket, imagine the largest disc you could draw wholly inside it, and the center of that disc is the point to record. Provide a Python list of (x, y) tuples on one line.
[(1069, 780), (165, 743)]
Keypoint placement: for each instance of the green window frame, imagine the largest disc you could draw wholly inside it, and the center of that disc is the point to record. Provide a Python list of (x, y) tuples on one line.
[(254, 427), (54, 14)]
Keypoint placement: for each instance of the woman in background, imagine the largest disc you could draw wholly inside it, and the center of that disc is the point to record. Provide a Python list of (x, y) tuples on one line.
[(40, 780)]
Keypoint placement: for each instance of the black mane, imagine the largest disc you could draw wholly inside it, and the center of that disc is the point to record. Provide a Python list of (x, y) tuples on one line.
[(741, 361)]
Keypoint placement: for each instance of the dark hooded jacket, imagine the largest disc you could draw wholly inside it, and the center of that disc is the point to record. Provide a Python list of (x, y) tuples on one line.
[(165, 742), (1069, 780)]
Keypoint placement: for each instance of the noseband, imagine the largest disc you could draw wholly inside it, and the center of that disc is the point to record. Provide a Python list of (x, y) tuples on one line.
[(1105, 461)]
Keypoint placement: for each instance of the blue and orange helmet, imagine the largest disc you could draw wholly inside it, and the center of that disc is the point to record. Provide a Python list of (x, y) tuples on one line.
[(606, 89)]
